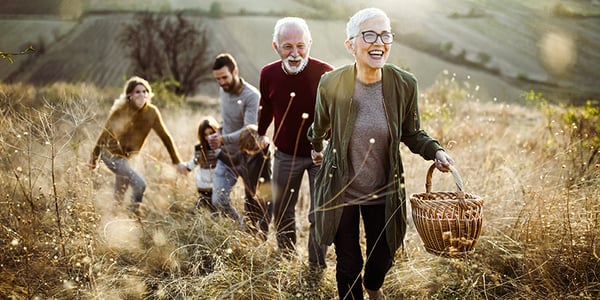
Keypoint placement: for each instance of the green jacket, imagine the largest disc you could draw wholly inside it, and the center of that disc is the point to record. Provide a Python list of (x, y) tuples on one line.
[(335, 110)]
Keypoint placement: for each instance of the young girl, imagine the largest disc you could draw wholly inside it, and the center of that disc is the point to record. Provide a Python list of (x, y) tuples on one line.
[(206, 159)]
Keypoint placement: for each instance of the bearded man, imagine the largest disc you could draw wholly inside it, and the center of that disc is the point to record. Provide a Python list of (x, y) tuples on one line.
[(288, 89), (239, 108)]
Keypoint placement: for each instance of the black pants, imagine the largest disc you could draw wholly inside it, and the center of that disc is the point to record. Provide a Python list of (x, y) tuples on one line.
[(349, 257)]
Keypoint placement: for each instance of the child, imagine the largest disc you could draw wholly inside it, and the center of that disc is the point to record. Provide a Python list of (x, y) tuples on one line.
[(206, 159), (257, 159), (249, 142)]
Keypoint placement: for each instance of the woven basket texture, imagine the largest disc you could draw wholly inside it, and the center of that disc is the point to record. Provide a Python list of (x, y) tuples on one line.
[(449, 223)]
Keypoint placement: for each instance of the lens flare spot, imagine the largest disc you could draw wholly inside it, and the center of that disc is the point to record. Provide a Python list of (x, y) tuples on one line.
[(557, 52)]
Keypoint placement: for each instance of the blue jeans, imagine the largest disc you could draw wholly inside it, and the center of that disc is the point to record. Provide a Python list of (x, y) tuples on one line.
[(250, 169), (288, 171), (124, 177)]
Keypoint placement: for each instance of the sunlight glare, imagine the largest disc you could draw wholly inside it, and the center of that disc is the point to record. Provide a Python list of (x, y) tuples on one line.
[(122, 234), (557, 52)]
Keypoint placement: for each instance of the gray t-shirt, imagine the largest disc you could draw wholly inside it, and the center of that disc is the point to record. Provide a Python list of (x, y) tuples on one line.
[(369, 147)]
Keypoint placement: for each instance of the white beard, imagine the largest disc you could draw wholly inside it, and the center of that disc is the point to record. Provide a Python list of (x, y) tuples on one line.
[(295, 70)]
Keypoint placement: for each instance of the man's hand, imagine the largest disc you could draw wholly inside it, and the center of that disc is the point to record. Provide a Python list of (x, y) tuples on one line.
[(443, 161), (263, 141), (215, 140)]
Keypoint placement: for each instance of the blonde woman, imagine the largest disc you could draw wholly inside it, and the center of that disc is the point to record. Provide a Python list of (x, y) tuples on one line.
[(131, 118)]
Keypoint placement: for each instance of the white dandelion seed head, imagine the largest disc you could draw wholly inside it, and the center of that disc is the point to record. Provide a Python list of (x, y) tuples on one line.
[(68, 284), (292, 190), (261, 180), (239, 101), (371, 141), (304, 116), (14, 242), (292, 94), (228, 251)]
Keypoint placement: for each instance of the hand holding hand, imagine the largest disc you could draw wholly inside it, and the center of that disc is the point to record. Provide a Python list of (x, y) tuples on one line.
[(263, 141), (215, 140), (317, 157), (182, 169), (443, 161)]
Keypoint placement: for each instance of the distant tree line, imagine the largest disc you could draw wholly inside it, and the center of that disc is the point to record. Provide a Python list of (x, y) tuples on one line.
[(169, 50)]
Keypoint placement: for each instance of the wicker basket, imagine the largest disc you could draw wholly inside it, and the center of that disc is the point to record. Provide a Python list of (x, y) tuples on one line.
[(449, 223)]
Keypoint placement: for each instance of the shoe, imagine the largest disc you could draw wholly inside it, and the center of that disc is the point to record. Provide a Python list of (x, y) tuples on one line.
[(375, 295), (134, 209), (316, 268)]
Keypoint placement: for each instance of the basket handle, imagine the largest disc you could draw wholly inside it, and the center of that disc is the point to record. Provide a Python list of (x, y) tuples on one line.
[(457, 181)]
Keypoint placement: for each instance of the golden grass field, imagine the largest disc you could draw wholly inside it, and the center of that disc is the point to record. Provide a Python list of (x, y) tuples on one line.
[(62, 237)]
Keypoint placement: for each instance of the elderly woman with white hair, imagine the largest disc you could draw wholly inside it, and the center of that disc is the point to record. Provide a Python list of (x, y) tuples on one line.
[(367, 108)]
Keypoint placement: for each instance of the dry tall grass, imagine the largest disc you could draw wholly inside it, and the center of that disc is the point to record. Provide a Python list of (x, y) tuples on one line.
[(62, 237)]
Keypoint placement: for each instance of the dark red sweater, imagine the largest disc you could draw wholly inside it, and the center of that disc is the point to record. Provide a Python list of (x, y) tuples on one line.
[(275, 90)]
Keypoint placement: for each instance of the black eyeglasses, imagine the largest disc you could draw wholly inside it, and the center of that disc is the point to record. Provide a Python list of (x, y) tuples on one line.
[(371, 37)]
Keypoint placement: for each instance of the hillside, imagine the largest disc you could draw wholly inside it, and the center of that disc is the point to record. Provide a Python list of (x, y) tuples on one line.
[(498, 48), (522, 43)]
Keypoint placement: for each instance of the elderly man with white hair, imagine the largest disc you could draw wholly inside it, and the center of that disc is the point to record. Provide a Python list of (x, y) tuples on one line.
[(288, 90)]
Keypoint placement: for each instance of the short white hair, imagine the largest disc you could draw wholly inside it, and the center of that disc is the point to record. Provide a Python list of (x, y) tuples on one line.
[(353, 25), (287, 21)]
